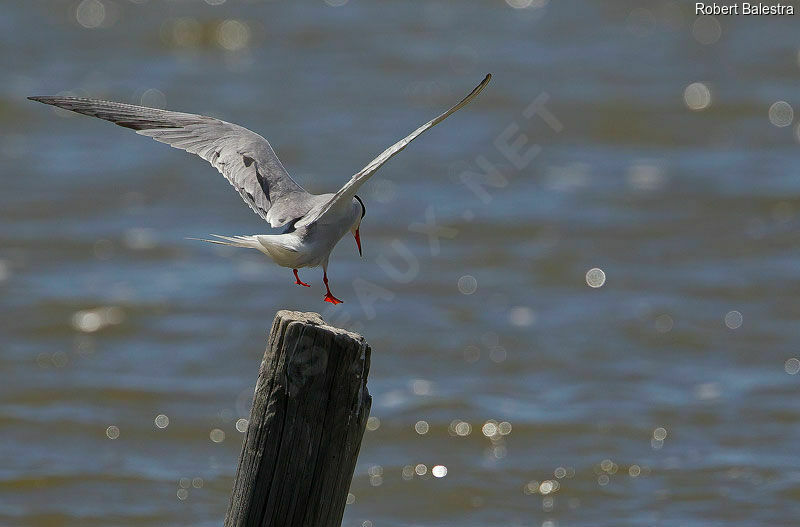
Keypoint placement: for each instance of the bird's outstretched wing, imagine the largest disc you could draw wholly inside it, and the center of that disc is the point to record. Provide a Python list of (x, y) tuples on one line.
[(245, 158), (345, 194)]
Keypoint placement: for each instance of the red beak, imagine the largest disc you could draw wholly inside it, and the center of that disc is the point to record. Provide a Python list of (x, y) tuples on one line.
[(358, 241)]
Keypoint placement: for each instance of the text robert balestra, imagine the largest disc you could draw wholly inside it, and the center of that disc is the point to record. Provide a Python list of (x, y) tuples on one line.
[(743, 8)]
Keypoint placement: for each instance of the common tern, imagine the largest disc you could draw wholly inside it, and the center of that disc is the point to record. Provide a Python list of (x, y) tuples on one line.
[(312, 224)]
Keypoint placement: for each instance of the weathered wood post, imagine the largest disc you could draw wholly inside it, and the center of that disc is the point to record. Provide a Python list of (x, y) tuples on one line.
[(309, 413)]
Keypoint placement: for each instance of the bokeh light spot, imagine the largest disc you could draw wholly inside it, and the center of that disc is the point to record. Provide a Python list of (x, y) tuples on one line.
[(792, 366), (733, 319), (216, 435), (664, 323), (489, 429), (90, 13), (153, 98), (595, 277), (467, 284), (521, 316), (781, 114), (660, 434), (233, 35), (697, 96)]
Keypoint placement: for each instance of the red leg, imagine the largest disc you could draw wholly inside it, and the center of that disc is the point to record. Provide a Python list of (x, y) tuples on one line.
[(328, 296), (297, 279)]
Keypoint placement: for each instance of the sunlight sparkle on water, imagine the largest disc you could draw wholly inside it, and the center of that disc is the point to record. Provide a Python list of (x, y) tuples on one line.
[(154, 99), (467, 284), (521, 316), (489, 429), (549, 486), (792, 366), (459, 428), (697, 96), (186, 32), (608, 466), (519, 4), (781, 114), (660, 434), (504, 428), (90, 13), (375, 473), (472, 353), (421, 387), (707, 391), (422, 427), (595, 277), (498, 354), (664, 323), (527, 4), (532, 487), (92, 320), (734, 319), (233, 35), (5, 270)]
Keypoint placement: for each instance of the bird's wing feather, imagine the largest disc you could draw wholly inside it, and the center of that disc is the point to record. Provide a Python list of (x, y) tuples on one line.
[(345, 194), (245, 158)]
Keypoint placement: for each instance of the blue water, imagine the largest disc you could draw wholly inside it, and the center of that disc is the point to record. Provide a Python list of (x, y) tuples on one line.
[(111, 317)]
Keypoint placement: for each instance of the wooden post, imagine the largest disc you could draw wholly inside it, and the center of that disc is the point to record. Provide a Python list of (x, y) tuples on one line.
[(309, 413)]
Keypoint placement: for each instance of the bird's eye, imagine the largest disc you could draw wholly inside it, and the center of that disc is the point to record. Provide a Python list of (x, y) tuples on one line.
[(363, 208)]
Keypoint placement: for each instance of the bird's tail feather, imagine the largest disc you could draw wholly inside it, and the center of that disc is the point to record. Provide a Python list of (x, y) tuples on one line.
[(249, 242)]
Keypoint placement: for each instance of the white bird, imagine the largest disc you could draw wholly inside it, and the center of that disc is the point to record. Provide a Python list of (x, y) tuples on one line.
[(312, 223)]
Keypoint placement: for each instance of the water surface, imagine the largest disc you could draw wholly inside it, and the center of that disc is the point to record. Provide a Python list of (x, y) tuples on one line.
[(667, 396)]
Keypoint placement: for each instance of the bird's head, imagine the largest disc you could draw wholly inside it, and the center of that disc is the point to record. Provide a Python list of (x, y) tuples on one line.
[(357, 224)]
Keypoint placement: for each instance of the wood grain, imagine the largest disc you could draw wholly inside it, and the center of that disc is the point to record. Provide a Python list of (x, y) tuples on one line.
[(309, 413)]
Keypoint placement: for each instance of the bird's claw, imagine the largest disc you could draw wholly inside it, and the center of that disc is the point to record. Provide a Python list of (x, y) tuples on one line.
[(300, 282), (332, 299)]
